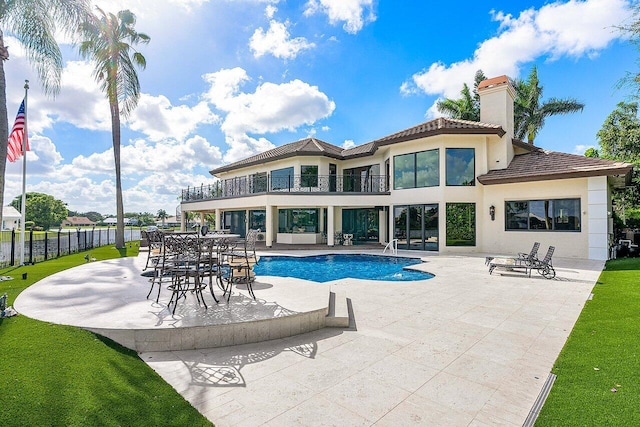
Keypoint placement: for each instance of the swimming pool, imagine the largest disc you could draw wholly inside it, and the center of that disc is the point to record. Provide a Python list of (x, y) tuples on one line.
[(323, 268)]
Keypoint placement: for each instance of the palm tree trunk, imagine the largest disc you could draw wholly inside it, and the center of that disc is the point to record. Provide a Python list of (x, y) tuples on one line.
[(4, 123), (115, 132)]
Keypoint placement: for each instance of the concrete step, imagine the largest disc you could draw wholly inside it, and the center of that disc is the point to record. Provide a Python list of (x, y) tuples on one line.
[(338, 316)]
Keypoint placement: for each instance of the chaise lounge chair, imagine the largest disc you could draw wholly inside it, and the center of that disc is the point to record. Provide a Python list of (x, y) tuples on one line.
[(525, 265)]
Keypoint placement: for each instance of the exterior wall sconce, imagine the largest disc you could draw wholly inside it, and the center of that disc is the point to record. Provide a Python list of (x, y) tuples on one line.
[(492, 212)]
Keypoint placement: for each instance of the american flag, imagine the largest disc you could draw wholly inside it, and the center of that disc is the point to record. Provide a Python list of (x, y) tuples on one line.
[(14, 148)]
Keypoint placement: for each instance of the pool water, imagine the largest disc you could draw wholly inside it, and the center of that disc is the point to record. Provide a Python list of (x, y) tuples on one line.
[(324, 268)]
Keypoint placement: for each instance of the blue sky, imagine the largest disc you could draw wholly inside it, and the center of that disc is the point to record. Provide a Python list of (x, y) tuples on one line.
[(226, 79)]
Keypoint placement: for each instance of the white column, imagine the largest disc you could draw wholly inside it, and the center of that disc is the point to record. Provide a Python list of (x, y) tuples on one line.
[(218, 224), (382, 227), (269, 225), (597, 218), (330, 225), (201, 219), (183, 221)]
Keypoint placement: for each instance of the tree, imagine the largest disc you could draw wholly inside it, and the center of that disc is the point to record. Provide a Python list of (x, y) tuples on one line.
[(592, 152), (44, 210), (162, 214), (632, 31), (109, 41), (467, 107), (529, 113), (33, 23), (619, 139)]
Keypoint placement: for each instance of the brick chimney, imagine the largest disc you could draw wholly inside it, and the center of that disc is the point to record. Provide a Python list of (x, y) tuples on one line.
[(496, 107)]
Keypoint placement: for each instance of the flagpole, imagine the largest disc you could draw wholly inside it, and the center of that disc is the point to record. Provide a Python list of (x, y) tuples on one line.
[(24, 174)]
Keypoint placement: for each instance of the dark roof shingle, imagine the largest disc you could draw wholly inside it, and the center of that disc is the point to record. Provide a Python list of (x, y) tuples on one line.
[(543, 165)]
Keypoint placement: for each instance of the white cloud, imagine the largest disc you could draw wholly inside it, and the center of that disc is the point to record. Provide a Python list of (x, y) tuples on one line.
[(581, 148), (141, 157), (574, 28), (277, 41), (354, 13), (271, 108), (156, 117), (348, 143)]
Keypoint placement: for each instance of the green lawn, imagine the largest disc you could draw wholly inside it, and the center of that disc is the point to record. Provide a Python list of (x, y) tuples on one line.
[(53, 375), (598, 370)]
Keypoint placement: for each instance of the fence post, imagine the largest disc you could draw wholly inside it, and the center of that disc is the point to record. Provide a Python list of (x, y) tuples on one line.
[(59, 231), (13, 246), (31, 246), (46, 245)]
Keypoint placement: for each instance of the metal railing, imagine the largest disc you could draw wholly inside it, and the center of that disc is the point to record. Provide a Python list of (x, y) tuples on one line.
[(252, 184), (41, 246)]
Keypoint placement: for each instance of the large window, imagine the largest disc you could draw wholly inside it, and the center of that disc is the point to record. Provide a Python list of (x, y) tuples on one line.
[(298, 221), (258, 220), (416, 227), (362, 223), (309, 176), (282, 179), (461, 169), (258, 182), (364, 179), (416, 170), (235, 221), (552, 215), (461, 224)]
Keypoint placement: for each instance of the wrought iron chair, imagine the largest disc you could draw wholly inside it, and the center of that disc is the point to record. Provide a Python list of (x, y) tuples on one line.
[(530, 257), (544, 266), (240, 261), (185, 267), (154, 243)]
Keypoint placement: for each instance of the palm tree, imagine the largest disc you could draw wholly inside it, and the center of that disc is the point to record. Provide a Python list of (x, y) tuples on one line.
[(530, 113), (162, 214), (467, 107), (33, 23), (109, 41)]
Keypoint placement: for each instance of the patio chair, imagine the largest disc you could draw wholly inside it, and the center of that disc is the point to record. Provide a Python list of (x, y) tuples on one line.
[(185, 267), (240, 260), (544, 266), (532, 255), (154, 244)]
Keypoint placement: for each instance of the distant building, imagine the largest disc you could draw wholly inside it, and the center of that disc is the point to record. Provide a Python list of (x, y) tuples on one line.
[(127, 221), (78, 221), (10, 218)]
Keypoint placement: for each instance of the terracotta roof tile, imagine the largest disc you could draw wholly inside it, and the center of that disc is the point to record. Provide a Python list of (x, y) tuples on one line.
[(495, 81), (440, 125), (542, 165)]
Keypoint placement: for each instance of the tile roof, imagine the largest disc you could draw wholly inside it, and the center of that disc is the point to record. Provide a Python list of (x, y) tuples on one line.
[(543, 165), (304, 147), (495, 81), (441, 125), (313, 146)]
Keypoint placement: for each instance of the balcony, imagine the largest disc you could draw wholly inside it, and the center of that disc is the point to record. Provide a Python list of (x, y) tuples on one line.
[(252, 185)]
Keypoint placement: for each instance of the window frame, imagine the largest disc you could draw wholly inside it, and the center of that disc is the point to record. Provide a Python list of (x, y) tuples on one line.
[(470, 183), (416, 169), (552, 214)]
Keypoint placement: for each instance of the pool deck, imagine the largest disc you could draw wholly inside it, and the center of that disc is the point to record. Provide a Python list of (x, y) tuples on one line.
[(461, 349)]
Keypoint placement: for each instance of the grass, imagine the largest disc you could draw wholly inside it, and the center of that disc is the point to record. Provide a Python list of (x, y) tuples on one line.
[(57, 375), (598, 370)]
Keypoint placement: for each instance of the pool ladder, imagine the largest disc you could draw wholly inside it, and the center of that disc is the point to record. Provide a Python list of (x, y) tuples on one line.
[(392, 246)]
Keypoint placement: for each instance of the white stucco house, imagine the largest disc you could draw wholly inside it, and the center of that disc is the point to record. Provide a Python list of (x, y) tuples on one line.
[(10, 218), (445, 185)]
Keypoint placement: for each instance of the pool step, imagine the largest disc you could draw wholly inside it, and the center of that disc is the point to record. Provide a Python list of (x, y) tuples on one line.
[(338, 316)]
